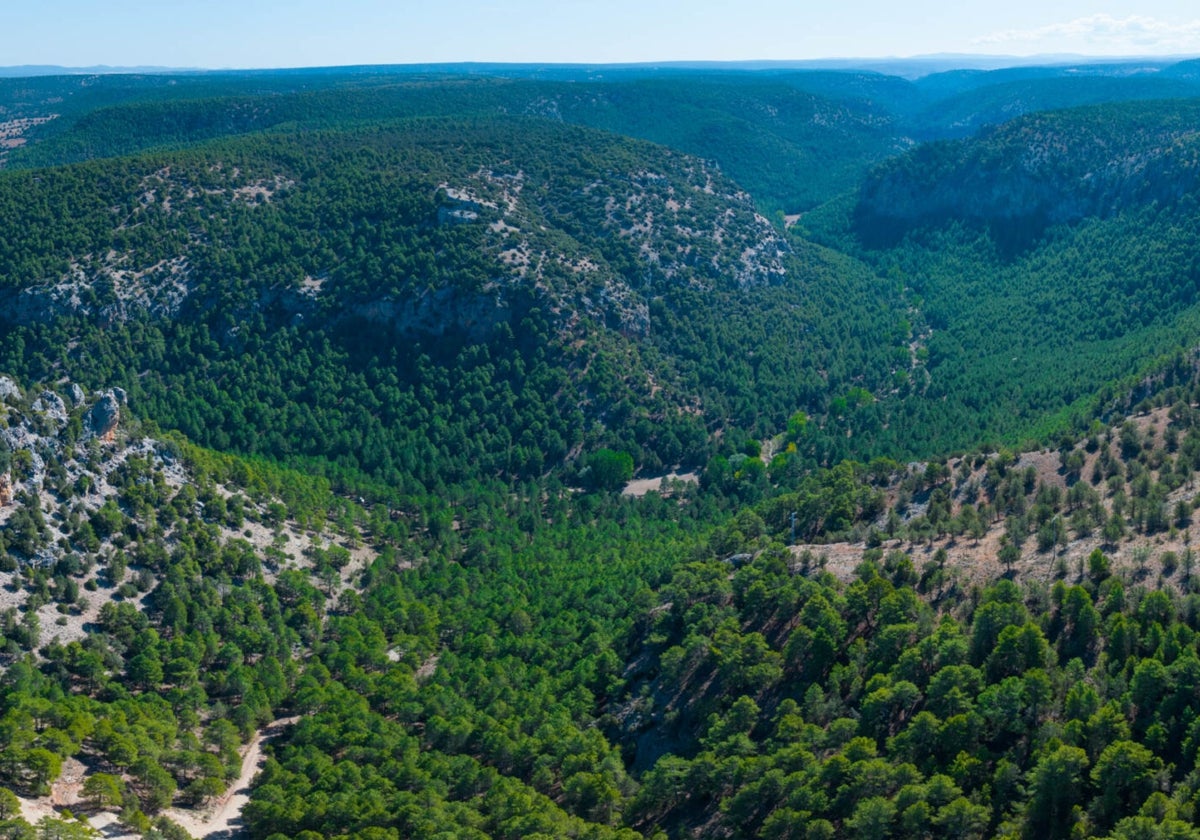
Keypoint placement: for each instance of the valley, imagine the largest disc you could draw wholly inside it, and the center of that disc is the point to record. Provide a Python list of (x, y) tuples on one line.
[(634, 452)]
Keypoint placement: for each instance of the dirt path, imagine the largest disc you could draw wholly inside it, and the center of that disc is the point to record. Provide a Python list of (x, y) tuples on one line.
[(224, 821)]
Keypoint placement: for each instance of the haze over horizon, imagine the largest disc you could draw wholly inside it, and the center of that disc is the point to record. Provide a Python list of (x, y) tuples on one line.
[(270, 34)]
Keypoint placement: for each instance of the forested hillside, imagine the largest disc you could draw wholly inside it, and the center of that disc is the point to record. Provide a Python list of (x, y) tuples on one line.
[(1040, 170), (1051, 257), (323, 389), (793, 138), (473, 247), (792, 148), (433, 302), (144, 635)]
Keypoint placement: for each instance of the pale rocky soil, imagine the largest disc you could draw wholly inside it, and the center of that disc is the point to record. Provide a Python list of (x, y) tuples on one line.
[(288, 545), (223, 817), (428, 668), (280, 547), (660, 484), (72, 626), (219, 819), (12, 131), (976, 562)]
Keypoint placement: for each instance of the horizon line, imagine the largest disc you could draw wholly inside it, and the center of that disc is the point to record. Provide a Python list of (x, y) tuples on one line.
[(1002, 60)]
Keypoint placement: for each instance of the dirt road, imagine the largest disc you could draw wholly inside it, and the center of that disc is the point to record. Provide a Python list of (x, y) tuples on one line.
[(224, 820)]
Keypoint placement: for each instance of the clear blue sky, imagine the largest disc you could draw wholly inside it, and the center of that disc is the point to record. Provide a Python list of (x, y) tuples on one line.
[(272, 33)]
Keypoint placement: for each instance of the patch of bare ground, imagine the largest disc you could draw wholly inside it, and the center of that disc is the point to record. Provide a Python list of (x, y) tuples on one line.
[(281, 546), (978, 563), (12, 133), (33, 810), (289, 547), (73, 626), (1155, 559), (221, 818), (428, 667), (661, 484), (66, 793)]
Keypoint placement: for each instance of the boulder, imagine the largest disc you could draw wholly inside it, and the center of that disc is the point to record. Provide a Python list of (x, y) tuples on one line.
[(104, 416), (77, 395), (9, 388)]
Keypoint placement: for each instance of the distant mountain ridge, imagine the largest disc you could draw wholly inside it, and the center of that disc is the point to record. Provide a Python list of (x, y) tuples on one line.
[(29, 70), (794, 136), (908, 66)]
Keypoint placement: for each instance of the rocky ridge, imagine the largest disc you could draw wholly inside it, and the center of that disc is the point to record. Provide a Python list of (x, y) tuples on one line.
[(688, 226), (584, 241), (116, 284)]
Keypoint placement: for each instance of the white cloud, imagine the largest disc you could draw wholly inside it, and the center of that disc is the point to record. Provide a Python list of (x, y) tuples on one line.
[(1101, 33)]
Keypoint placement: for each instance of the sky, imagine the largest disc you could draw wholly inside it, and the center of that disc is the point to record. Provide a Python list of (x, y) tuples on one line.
[(306, 33)]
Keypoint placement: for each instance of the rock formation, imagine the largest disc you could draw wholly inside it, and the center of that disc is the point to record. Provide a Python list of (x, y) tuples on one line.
[(105, 415), (52, 405)]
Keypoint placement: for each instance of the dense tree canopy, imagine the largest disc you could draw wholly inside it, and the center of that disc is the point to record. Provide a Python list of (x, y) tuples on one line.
[(430, 326)]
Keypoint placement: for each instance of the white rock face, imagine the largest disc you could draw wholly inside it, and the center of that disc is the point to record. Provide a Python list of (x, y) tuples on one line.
[(52, 405)]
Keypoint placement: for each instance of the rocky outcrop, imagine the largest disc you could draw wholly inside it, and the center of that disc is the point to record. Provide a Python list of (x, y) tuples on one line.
[(9, 388), (20, 437), (51, 405), (53, 467), (458, 215), (102, 420)]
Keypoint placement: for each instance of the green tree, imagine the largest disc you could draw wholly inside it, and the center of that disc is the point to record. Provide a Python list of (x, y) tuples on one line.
[(609, 470), (103, 790), (1124, 775), (10, 806), (1056, 789), (961, 819), (872, 819)]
